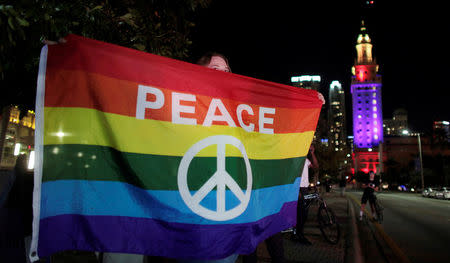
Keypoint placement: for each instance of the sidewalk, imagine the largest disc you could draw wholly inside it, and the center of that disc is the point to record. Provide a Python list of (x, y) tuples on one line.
[(321, 250)]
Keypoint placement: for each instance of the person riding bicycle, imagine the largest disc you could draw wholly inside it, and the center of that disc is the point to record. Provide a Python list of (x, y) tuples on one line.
[(370, 185)]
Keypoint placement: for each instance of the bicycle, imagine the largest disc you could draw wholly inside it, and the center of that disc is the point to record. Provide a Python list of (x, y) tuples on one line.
[(378, 210), (325, 217)]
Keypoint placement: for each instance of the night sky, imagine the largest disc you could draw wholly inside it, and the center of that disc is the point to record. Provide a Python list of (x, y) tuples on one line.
[(274, 40)]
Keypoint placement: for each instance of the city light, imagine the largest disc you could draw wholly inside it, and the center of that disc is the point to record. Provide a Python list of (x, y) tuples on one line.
[(335, 84), (17, 149), (295, 79), (305, 78), (405, 132), (55, 150), (31, 161)]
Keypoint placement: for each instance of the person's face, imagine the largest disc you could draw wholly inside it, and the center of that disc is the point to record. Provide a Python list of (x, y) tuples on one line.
[(218, 63), (372, 175)]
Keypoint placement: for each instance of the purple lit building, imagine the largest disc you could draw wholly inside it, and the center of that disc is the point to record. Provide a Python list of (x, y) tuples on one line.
[(367, 108)]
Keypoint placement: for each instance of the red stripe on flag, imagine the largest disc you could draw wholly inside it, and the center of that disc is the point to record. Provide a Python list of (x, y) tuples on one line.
[(122, 63)]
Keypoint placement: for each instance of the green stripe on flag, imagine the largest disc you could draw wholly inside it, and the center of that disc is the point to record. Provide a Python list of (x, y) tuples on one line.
[(156, 172)]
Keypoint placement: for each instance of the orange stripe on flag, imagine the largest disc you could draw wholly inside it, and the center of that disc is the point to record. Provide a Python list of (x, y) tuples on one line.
[(66, 88)]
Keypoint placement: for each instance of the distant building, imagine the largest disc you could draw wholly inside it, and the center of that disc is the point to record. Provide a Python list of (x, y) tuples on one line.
[(313, 82), (397, 124), (16, 135), (367, 107), (336, 117), (404, 149), (441, 131), (307, 82)]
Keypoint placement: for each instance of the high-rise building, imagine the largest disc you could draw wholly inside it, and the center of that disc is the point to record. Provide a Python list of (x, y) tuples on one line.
[(367, 109), (313, 82), (336, 117), (441, 131), (307, 82), (398, 124)]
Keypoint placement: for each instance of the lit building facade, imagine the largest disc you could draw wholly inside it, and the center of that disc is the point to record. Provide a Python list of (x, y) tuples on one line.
[(367, 107), (397, 125), (307, 82), (336, 117), (441, 129), (313, 82), (16, 136)]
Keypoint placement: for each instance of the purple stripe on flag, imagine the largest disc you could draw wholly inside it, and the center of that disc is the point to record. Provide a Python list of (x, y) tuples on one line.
[(156, 237)]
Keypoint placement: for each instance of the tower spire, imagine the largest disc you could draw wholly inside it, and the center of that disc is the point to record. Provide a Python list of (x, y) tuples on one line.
[(363, 28), (363, 36), (364, 47)]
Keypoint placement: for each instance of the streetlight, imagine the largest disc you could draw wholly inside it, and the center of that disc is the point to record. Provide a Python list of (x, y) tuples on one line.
[(421, 163), (406, 132)]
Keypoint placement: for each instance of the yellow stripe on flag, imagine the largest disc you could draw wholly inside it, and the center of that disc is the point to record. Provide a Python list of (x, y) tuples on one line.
[(128, 134)]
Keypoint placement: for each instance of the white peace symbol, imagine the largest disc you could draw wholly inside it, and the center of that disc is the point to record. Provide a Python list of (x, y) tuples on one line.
[(221, 179)]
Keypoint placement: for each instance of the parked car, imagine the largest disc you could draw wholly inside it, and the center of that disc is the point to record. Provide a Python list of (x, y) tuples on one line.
[(426, 192), (439, 194), (433, 192), (447, 194)]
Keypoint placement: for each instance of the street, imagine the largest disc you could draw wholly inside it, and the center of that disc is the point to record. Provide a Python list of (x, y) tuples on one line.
[(419, 226)]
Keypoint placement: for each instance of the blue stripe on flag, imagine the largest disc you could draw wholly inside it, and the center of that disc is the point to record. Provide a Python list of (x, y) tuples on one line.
[(105, 198)]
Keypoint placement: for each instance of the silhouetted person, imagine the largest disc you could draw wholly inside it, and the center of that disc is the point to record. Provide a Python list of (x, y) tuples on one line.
[(17, 214), (302, 207), (342, 184)]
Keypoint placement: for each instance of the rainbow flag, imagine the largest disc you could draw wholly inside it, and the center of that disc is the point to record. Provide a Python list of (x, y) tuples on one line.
[(138, 153)]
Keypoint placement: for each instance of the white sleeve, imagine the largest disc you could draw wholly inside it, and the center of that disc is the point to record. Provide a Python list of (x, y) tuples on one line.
[(307, 163)]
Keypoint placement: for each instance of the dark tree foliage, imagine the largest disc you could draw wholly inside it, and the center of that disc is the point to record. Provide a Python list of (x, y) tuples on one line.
[(160, 27)]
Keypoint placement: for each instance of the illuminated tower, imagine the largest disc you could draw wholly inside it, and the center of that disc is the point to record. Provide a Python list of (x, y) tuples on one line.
[(367, 111), (336, 117)]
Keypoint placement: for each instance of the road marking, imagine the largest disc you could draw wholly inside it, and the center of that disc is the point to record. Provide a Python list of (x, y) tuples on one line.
[(356, 241), (391, 243)]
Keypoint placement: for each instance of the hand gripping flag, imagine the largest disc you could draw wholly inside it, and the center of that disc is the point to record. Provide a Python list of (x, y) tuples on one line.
[(138, 153)]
